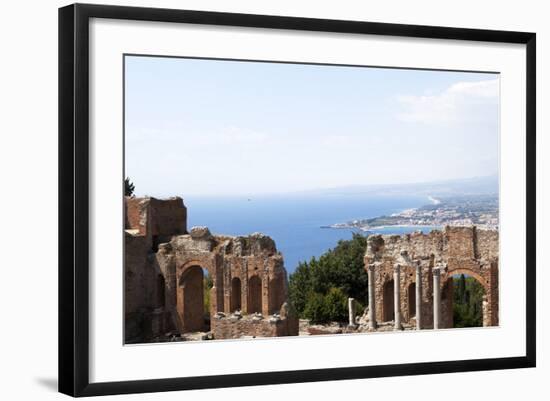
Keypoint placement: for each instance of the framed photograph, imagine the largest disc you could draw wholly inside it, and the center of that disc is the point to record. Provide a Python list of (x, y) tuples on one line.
[(252, 199)]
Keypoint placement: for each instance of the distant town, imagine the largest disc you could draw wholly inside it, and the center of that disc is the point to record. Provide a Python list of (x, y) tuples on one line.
[(468, 210)]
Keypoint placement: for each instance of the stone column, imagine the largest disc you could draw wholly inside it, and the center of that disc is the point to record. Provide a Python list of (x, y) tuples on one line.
[(265, 293), (372, 298), (351, 309), (437, 297), (226, 277), (397, 297), (418, 296), (244, 285)]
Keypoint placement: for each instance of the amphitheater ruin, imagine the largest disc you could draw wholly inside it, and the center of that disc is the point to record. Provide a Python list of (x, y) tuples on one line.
[(180, 281), (411, 276), (165, 267)]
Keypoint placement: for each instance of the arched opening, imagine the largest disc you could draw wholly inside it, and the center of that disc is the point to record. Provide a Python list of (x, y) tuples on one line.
[(466, 296), (219, 293), (191, 286), (160, 292), (411, 300), (235, 294), (254, 295), (388, 312), (275, 294), (155, 244)]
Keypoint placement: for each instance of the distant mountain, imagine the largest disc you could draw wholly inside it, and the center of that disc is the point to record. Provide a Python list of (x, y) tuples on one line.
[(487, 185)]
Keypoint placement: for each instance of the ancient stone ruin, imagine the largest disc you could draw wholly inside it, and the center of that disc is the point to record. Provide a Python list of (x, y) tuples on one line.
[(165, 270), (411, 276), (186, 283)]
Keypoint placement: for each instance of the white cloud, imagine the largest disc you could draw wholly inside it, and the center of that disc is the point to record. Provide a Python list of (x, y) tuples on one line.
[(461, 102)]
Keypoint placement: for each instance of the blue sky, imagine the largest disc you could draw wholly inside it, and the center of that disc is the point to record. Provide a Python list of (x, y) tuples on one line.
[(210, 127)]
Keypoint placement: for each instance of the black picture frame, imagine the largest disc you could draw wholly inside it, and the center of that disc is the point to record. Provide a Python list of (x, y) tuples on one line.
[(74, 198)]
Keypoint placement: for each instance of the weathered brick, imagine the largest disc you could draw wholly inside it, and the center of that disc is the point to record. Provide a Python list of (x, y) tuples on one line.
[(463, 250)]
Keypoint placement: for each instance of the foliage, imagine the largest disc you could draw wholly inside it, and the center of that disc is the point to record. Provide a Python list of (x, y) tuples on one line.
[(299, 287), (359, 308), (319, 289), (207, 283), (129, 187), (467, 302), (327, 308)]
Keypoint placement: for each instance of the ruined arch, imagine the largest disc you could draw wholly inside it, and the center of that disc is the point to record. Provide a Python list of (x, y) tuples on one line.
[(152, 223), (190, 299), (275, 294), (254, 294), (235, 294), (469, 272), (204, 263), (216, 295), (388, 312), (451, 251), (448, 296)]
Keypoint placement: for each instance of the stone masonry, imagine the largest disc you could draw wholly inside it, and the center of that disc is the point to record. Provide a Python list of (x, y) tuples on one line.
[(165, 266), (410, 276)]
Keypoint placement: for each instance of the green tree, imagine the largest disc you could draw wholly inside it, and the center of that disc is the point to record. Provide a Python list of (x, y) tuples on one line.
[(314, 309), (336, 305), (207, 284), (331, 307), (468, 301), (318, 289), (129, 187), (299, 287), (461, 290)]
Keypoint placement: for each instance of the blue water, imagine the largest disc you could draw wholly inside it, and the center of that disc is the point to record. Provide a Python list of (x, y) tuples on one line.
[(294, 222)]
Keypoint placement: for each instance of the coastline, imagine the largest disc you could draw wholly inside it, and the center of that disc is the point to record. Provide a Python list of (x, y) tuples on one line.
[(384, 227), (366, 228), (470, 210)]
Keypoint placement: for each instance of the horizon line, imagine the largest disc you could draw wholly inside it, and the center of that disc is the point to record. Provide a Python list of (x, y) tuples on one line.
[(311, 190)]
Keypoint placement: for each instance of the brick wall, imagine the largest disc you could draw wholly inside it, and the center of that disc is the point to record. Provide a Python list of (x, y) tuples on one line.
[(250, 326), (462, 250), (158, 245)]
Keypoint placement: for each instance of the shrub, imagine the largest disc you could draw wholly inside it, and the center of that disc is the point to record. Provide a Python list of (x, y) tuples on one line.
[(325, 308), (315, 308)]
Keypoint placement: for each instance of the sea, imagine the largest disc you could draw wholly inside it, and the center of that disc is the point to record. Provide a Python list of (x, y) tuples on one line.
[(295, 221)]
